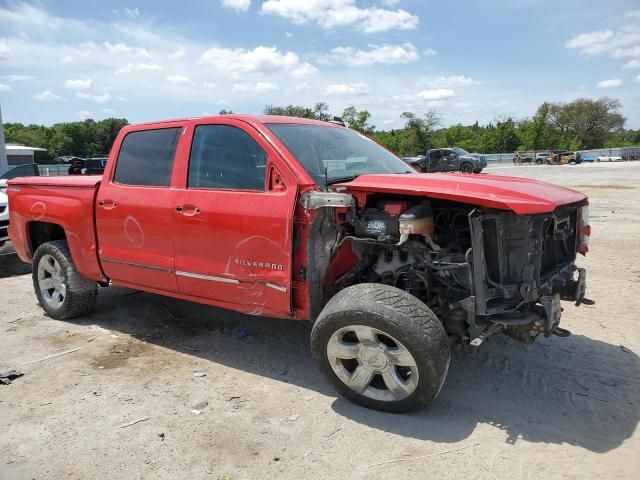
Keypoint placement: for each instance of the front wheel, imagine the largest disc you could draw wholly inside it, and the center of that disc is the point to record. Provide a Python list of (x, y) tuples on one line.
[(60, 289), (466, 168), (381, 348)]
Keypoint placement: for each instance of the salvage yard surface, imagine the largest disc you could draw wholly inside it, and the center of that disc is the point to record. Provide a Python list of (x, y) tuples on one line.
[(152, 387)]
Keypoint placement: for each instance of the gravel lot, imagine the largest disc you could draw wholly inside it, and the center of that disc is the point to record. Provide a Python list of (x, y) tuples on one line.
[(217, 402)]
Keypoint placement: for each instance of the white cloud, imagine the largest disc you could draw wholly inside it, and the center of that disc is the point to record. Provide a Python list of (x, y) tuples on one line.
[(16, 78), (109, 111), (233, 62), (451, 81), (46, 96), (132, 13), (260, 87), (122, 99), (241, 5), (619, 43), (302, 86), (614, 82), (5, 49), (84, 114), (137, 67), (181, 52), (338, 13), (122, 48), (590, 43), (103, 98), (210, 85), (436, 94), (385, 54), (632, 64), (637, 79), (288, 34), (78, 84), (429, 52), (179, 79), (357, 88), (627, 52), (67, 59), (5, 88)]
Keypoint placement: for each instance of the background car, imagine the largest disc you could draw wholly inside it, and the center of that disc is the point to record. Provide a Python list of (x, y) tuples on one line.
[(608, 158), (94, 165)]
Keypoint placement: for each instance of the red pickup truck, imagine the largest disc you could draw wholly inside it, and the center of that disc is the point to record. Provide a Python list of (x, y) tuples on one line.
[(302, 219)]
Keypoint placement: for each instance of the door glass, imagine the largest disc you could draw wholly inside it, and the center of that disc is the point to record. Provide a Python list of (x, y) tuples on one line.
[(226, 157), (146, 157)]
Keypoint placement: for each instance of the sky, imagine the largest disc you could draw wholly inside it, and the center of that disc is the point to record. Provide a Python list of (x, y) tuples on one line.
[(468, 60)]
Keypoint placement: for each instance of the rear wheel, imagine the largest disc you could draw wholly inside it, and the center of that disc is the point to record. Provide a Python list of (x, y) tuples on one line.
[(466, 168), (381, 348), (60, 289), (538, 162)]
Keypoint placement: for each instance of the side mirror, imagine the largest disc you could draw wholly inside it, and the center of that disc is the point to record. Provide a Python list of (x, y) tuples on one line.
[(3, 183)]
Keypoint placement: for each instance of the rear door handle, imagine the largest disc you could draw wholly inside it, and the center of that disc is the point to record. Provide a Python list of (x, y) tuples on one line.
[(107, 204), (188, 210)]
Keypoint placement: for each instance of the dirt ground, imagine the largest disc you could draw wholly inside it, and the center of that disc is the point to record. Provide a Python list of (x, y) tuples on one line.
[(224, 394)]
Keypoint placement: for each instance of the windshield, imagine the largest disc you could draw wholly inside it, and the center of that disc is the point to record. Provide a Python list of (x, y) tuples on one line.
[(460, 151), (344, 153)]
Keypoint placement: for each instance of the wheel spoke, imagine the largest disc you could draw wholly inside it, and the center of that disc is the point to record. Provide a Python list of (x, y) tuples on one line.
[(365, 334), (49, 265), (401, 357), (346, 351), (393, 382), (63, 291), (46, 284), (360, 378), (57, 296)]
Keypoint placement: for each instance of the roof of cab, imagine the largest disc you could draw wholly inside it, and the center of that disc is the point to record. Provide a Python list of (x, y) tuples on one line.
[(252, 119)]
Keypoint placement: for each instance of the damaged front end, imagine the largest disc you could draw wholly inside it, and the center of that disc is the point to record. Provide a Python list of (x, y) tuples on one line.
[(482, 271)]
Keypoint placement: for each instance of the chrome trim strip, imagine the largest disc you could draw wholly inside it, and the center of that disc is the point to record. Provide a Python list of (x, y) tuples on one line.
[(276, 287), (207, 277), (132, 264)]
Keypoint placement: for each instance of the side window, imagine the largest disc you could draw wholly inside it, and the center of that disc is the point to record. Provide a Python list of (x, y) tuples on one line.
[(146, 157), (223, 156), (437, 154), (447, 153)]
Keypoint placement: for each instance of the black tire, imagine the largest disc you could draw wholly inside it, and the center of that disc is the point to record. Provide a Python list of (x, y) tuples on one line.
[(538, 162), (398, 315), (466, 167), (80, 293)]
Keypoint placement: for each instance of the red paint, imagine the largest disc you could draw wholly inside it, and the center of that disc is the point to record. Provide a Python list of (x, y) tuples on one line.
[(236, 247), (521, 195)]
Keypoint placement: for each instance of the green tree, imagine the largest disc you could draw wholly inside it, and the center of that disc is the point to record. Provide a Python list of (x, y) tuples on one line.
[(358, 120)]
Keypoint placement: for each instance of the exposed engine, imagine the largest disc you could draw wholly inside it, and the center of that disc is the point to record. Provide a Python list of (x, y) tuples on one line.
[(480, 271)]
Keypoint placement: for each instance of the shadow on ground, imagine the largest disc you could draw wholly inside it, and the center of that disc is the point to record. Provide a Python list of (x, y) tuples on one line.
[(10, 264), (533, 393)]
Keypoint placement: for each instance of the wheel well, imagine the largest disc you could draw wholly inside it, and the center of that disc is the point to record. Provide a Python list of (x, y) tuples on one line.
[(42, 232)]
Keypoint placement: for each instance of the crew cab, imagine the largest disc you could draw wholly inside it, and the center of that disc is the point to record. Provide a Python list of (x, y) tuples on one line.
[(294, 218), (448, 160)]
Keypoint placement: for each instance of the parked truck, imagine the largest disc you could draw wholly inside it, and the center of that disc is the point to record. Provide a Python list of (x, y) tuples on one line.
[(301, 219), (448, 160)]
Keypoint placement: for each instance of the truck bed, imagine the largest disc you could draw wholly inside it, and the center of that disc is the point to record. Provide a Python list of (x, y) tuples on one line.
[(38, 203)]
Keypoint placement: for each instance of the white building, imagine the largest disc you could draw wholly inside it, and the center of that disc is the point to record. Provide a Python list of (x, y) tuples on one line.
[(20, 154)]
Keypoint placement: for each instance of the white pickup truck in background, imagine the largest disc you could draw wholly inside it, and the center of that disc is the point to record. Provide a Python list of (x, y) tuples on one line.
[(4, 215)]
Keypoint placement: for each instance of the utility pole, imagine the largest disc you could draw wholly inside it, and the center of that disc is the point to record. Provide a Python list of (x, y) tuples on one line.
[(3, 150)]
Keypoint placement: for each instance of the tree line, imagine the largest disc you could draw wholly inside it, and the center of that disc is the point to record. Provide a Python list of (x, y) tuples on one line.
[(578, 125)]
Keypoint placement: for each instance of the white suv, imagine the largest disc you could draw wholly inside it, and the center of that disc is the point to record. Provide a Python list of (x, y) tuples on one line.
[(4, 217)]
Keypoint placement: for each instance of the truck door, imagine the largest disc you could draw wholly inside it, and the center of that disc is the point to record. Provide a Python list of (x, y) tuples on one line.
[(233, 219), (449, 160), (134, 210)]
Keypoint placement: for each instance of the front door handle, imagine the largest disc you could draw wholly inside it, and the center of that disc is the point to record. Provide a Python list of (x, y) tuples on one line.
[(188, 210), (107, 204)]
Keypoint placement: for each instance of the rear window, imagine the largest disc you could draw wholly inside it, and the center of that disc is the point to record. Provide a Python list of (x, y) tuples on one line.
[(146, 157)]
